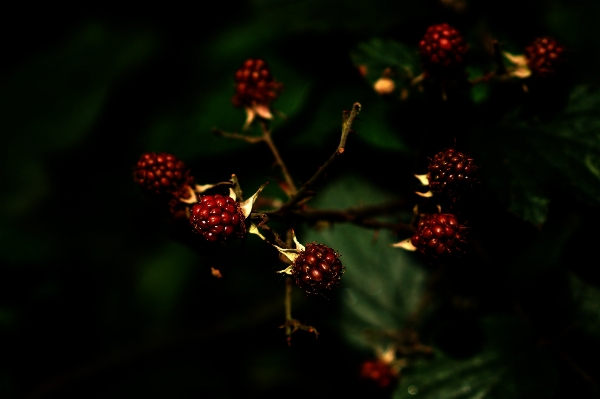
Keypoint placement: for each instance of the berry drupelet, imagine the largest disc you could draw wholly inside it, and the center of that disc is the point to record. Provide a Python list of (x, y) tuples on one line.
[(218, 218), (317, 268), (450, 172), (544, 57), (442, 50), (254, 84), (161, 175), (439, 236)]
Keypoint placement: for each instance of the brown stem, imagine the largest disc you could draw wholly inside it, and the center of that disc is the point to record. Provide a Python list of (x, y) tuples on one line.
[(286, 174), (359, 216), (288, 310), (266, 137), (348, 119), (237, 136), (292, 325)]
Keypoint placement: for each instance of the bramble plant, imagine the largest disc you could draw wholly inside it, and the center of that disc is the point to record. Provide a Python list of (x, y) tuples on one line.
[(297, 199), (440, 226)]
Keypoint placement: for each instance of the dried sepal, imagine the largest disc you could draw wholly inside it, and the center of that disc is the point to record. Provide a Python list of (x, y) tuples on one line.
[(406, 245), (423, 179), (428, 194), (261, 110), (520, 67), (193, 193), (246, 206), (290, 253)]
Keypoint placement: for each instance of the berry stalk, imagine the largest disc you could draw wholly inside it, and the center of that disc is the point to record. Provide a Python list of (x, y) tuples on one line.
[(348, 119)]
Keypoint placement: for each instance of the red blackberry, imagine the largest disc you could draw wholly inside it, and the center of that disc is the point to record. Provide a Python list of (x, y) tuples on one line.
[(218, 218), (544, 56), (317, 268), (161, 174), (442, 49), (379, 372), (254, 84), (450, 172), (439, 236)]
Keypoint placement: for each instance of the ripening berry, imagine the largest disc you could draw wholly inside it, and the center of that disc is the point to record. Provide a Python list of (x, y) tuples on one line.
[(439, 236), (442, 49), (317, 268), (544, 57), (218, 218), (379, 372), (161, 174), (254, 84), (450, 172)]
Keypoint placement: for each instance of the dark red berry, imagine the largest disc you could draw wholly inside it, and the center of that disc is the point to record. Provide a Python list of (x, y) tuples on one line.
[(544, 57), (439, 236), (218, 218), (254, 84), (442, 49), (379, 372), (161, 174), (317, 268), (450, 172)]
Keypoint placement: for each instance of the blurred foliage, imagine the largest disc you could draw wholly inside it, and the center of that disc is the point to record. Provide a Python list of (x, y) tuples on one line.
[(101, 296)]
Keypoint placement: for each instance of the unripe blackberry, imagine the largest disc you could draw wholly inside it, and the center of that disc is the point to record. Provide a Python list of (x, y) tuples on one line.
[(218, 218), (439, 236), (317, 268), (544, 56), (254, 84), (161, 174), (442, 49), (450, 172)]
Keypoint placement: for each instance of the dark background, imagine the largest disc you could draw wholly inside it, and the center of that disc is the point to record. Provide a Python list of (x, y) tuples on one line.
[(99, 296)]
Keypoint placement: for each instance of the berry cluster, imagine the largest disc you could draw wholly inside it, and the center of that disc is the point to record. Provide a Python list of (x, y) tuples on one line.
[(317, 268), (544, 57), (439, 236), (254, 84), (161, 175), (442, 49), (450, 172), (218, 218)]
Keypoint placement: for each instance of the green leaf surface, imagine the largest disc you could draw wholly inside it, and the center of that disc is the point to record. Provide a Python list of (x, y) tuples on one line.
[(526, 161), (508, 367), (382, 285), (587, 304)]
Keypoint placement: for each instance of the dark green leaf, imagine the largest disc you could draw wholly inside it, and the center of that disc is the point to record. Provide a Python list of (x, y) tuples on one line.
[(382, 285), (587, 304), (508, 367), (526, 161)]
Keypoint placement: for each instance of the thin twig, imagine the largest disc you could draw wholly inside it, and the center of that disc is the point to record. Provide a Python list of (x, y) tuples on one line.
[(288, 310), (286, 175), (348, 119), (359, 216), (266, 137), (292, 325), (237, 136)]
